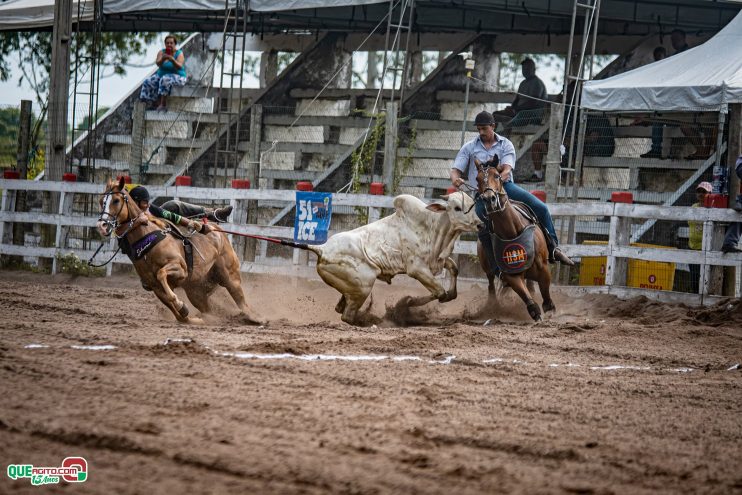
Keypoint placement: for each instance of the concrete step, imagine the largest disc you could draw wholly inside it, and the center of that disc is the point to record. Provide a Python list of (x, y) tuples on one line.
[(169, 142)]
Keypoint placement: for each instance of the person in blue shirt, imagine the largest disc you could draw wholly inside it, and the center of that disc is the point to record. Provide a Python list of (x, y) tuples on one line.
[(171, 72), (484, 147)]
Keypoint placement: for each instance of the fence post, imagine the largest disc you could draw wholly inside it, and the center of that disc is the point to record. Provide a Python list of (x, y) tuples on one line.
[(390, 143), (253, 174), (620, 233), (137, 139), (66, 200), (734, 149), (553, 155)]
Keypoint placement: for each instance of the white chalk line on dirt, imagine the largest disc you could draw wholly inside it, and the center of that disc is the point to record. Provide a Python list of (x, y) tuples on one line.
[(382, 357)]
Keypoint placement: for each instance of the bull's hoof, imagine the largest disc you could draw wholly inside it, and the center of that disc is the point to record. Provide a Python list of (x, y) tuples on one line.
[(548, 306), (534, 311), (183, 311), (448, 296)]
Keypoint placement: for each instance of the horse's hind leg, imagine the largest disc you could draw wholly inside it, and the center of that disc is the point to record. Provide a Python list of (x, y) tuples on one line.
[(199, 296), (544, 282), (228, 276), (517, 283)]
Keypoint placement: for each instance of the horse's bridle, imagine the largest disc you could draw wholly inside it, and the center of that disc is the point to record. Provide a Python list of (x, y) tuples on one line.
[(111, 221), (495, 204)]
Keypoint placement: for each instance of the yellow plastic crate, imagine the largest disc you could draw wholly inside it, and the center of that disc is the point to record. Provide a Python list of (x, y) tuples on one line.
[(658, 275)]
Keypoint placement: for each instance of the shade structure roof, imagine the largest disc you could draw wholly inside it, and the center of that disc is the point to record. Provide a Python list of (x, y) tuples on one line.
[(706, 77)]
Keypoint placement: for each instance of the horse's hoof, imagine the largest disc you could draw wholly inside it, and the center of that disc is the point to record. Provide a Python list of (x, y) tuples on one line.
[(548, 307), (534, 312), (183, 311)]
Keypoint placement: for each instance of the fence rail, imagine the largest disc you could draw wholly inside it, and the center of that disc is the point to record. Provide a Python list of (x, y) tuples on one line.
[(617, 249)]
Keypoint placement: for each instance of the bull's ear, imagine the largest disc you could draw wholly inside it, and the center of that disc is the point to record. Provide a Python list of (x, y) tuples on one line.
[(436, 207), (121, 183)]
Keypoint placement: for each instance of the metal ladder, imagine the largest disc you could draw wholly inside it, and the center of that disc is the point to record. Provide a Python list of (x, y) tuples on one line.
[(86, 88), (591, 10), (227, 154)]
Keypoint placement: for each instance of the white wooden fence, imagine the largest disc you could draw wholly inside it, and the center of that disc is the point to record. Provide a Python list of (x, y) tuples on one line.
[(617, 250)]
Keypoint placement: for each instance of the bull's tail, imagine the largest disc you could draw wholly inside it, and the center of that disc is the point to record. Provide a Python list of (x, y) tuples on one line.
[(300, 245)]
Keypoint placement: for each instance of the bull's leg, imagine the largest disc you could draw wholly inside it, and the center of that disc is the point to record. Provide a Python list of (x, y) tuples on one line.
[(517, 283), (423, 275), (453, 270), (354, 282), (340, 306)]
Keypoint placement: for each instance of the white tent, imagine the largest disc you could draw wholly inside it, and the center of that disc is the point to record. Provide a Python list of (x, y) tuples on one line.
[(706, 77), (33, 14)]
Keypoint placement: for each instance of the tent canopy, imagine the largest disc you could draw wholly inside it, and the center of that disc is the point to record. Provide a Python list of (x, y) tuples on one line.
[(706, 77), (553, 18)]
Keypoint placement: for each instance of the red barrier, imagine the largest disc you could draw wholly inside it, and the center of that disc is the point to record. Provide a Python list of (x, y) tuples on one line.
[(69, 177), (127, 179), (376, 188), (304, 186), (240, 184), (539, 194), (183, 180), (452, 190), (713, 200), (622, 197), (11, 174)]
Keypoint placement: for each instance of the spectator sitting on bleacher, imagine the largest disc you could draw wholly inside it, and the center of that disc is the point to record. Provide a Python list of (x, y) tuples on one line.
[(677, 40), (657, 129), (599, 140), (531, 99)]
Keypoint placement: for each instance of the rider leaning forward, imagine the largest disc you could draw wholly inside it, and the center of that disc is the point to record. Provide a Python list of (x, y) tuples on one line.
[(177, 212), (484, 147)]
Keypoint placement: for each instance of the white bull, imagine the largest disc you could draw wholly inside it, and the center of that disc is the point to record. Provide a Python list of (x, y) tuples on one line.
[(417, 240)]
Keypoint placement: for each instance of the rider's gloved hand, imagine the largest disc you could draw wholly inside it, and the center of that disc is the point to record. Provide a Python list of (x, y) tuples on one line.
[(195, 225)]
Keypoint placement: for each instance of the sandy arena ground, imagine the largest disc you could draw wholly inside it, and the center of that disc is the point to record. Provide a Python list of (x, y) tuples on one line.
[(607, 396)]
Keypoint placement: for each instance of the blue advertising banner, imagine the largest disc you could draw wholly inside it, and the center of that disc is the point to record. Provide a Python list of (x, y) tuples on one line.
[(313, 214)]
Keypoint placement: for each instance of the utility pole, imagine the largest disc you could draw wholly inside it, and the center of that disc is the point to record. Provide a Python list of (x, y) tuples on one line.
[(59, 90)]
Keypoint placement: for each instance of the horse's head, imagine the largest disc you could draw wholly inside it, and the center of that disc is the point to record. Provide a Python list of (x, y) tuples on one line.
[(117, 208), (490, 184)]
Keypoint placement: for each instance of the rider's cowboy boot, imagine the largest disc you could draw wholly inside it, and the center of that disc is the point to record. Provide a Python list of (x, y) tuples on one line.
[(486, 240), (562, 258), (220, 214), (738, 204)]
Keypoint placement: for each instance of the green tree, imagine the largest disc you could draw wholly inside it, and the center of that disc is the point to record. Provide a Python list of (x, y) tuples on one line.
[(31, 52), (9, 119)]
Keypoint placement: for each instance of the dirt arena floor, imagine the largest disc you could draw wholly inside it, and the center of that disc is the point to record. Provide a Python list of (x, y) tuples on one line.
[(607, 396)]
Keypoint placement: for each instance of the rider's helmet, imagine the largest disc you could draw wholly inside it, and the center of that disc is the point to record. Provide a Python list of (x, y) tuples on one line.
[(139, 194)]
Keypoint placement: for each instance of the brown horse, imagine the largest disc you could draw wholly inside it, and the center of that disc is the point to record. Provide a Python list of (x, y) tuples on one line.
[(162, 264), (507, 224)]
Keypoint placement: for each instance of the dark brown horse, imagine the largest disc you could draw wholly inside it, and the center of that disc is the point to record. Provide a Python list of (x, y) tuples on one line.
[(506, 224), (164, 266)]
